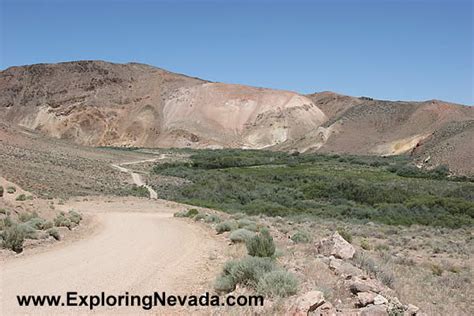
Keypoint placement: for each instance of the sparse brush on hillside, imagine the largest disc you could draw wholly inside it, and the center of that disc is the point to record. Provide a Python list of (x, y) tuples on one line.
[(1, 191)]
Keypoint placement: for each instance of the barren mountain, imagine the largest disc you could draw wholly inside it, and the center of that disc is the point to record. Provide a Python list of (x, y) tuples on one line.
[(98, 103)]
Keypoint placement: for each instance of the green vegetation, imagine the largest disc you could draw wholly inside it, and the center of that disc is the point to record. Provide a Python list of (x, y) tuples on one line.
[(241, 235), (301, 237), (13, 237), (345, 234), (261, 245), (258, 270), (386, 190), (246, 272), (53, 232), (11, 189), (24, 197), (1, 191), (135, 190), (69, 220), (278, 283), (187, 213), (226, 226)]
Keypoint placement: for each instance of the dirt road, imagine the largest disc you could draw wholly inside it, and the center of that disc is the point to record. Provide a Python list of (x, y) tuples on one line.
[(139, 248), (137, 179)]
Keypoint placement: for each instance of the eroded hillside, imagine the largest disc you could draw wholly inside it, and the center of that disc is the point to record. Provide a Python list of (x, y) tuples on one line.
[(97, 103)]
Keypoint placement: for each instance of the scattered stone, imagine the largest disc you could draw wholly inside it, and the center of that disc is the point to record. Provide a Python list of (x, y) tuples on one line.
[(374, 310), (366, 298), (343, 268), (335, 246), (412, 310), (325, 310), (364, 285), (379, 300), (307, 303)]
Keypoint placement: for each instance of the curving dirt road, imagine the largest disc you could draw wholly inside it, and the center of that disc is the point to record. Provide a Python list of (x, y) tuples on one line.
[(136, 178), (139, 248)]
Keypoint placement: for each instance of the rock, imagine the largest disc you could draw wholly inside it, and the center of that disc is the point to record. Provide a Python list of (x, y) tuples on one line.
[(343, 268), (307, 303), (324, 310), (366, 298), (364, 285), (374, 310), (379, 300), (335, 246), (412, 310)]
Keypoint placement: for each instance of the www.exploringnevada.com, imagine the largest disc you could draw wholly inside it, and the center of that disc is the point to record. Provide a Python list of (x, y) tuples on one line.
[(146, 302)]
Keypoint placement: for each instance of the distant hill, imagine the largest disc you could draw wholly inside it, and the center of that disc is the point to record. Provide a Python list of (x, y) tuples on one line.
[(97, 103)]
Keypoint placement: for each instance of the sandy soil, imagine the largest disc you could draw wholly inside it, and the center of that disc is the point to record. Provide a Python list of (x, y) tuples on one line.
[(137, 248)]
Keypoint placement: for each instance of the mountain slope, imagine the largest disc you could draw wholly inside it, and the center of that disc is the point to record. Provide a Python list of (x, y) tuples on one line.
[(97, 103)]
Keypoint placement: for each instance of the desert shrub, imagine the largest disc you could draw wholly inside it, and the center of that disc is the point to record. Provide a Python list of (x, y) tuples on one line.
[(241, 235), (381, 247), (5, 222), (1, 191), (74, 217), (25, 217), (365, 244), (248, 271), (53, 232), (187, 213), (13, 238), (48, 225), (261, 245), (226, 226), (368, 264), (436, 269), (11, 189), (278, 283), (200, 217), (301, 237), (62, 221), (212, 218), (248, 224), (244, 222), (238, 216), (36, 223), (139, 191), (3, 211), (345, 234), (30, 232), (224, 284), (22, 197)]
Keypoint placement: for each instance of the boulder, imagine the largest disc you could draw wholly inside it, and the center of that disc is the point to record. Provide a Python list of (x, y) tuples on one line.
[(358, 284), (366, 298), (412, 310), (379, 300), (343, 268), (307, 302), (325, 310), (335, 246), (374, 310)]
